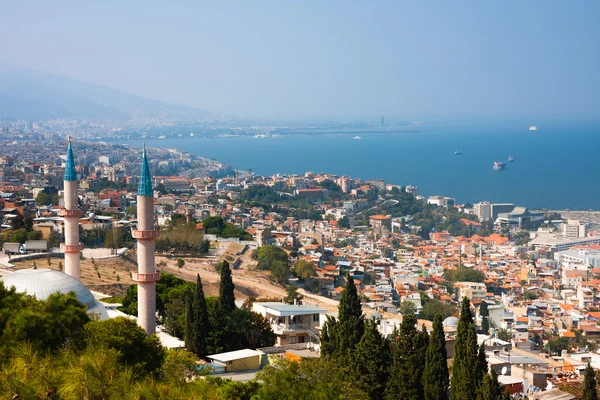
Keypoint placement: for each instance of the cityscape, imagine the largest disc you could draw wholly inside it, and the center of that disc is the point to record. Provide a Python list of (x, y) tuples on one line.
[(211, 246)]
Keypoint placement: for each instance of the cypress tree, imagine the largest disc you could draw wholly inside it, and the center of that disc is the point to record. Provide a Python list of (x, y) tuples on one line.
[(464, 373), (371, 360), (435, 376), (589, 384), (490, 388), (482, 365), (328, 336), (405, 376), (226, 296), (350, 325), (420, 343), (197, 325), (484, 313)]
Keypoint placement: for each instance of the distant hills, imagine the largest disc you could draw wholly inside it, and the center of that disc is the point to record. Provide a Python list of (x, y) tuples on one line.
[(39, 96)]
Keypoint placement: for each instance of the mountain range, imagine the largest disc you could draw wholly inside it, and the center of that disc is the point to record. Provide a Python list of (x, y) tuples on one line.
[(39, 96)]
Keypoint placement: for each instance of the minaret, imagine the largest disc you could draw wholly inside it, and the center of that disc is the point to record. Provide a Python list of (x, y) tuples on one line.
[(145, 234), (71, 213)]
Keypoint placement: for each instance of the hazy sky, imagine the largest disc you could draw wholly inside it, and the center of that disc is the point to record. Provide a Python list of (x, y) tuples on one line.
[(322, 59)]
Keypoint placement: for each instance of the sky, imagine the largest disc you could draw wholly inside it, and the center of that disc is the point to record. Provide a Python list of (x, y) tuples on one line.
[(323, 59)]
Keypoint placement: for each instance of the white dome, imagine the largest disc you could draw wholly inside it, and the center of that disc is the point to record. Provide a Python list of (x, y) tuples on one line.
[(43, 282), (450, 322)]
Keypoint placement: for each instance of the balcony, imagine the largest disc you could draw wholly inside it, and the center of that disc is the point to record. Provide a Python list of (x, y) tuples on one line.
[(145, 278), (77, 213), (284, 328), (145, 235), (72, 248)]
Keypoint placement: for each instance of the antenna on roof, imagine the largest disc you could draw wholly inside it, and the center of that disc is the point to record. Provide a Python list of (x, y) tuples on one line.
[(69, 137)]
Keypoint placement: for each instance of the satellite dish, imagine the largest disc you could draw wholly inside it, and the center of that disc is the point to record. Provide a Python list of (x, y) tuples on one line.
[(549, 386), (504, 370)]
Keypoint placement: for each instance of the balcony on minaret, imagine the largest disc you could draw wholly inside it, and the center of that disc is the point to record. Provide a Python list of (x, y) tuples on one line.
[(145, 235), (145, 278), (72, 248), (77, 213)]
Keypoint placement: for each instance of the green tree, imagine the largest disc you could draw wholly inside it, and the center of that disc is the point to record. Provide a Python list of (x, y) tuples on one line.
[(432, 308), (370, 364), (197, 326), (226, 287), (292, 295), (490, 388), (408, 357), (435, 376), (484, 313), (180, 263), (305, 269), (408, 307), (464, 373), (589, 384), (350, 317), (134, 347), (482, 365), (309, 379)]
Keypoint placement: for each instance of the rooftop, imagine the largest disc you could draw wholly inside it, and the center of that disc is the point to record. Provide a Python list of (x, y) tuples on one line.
[(284, 310), (235, 355)]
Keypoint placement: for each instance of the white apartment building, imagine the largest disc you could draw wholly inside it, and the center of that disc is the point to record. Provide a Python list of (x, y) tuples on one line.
[(573, 229), (471, 290), (483, 211), (441, 201), (588, 257)]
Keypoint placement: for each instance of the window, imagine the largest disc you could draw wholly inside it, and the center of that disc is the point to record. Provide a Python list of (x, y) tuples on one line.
[(293, 339), (315, 317)]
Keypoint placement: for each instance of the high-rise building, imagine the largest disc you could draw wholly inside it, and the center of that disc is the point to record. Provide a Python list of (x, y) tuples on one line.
[(382, 120), (71, 214), (573, 229), (146, 234), (483, 210)]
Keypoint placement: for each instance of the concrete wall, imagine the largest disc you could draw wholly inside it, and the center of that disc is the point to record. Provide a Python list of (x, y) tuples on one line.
[(244, 364)]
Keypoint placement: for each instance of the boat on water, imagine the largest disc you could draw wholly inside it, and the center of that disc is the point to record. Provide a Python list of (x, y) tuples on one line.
[(511, 159), (499, 166), (357, 138), (458, 153), (533, 128)]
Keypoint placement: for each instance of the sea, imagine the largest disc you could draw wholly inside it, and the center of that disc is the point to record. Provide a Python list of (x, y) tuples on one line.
[(556, 167)]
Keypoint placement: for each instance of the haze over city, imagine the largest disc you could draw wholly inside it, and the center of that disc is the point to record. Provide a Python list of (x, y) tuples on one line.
[(325, 60)]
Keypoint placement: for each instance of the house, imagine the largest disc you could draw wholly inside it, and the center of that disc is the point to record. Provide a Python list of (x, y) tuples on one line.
[(239, 360), (291, 323)]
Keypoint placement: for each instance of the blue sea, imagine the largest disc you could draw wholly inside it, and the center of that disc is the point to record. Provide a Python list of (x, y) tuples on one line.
[(555, 167)]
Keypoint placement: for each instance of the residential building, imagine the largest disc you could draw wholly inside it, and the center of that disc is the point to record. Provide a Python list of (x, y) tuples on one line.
[(483, 211), (291, 323), (573, 229), (471, 290), (441, 201)]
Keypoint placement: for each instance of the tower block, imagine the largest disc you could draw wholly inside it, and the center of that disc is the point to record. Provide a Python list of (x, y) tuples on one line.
[(146, 234), (71, 214)]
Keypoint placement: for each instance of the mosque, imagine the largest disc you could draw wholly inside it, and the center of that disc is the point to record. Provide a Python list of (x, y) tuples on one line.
[(43, 282)]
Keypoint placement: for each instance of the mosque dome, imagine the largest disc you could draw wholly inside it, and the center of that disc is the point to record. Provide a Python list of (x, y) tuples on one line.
[(450, 322), (43, 282)]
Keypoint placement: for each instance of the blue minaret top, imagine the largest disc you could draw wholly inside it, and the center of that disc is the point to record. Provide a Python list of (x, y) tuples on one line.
[(70, 173), (145, 185)]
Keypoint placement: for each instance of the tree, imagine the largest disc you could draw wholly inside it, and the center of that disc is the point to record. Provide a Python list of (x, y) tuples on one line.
[(292, 295), (589, 384), (484, 313), (482, 365), (226, 287), (134, 347), (435, 376), (309, 379), (408, 308), (350, 315), (464, 372), (197, 325), (305, 269), (432, 308), (408, 359), (180, 263), (490, 388), (371, 359)]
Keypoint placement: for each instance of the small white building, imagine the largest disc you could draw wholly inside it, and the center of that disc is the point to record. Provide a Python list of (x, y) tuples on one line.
[(292, 323)]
